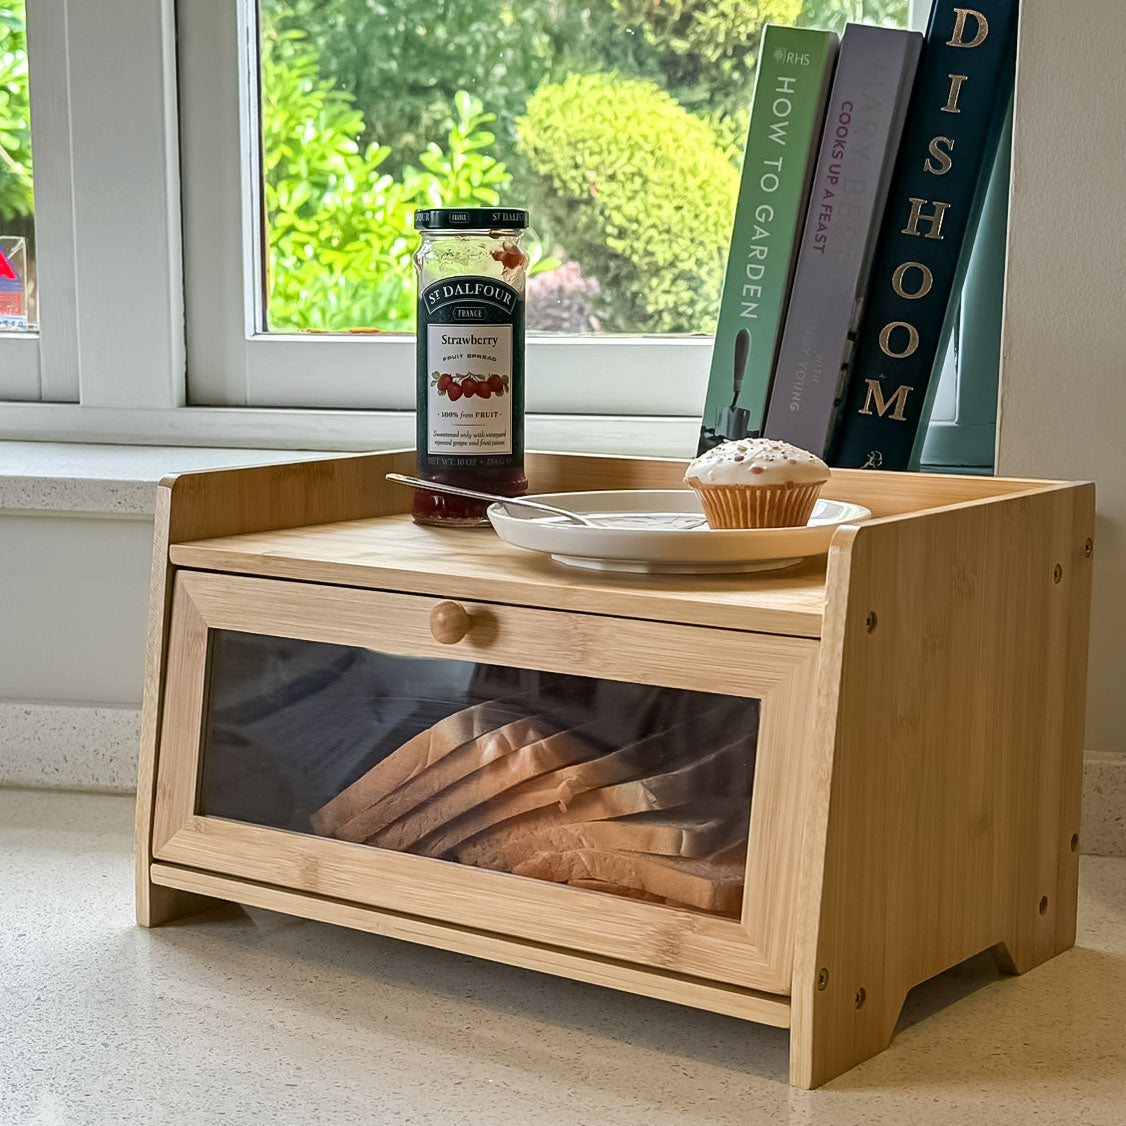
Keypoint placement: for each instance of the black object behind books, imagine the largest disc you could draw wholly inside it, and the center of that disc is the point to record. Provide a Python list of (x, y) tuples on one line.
[(733, 421)]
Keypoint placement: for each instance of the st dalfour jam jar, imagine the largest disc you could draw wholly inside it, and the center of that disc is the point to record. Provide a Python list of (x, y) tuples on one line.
[(471, 268)]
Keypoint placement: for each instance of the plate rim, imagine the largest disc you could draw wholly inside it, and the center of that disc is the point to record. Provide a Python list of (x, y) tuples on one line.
[(862, 513), (669, 545)]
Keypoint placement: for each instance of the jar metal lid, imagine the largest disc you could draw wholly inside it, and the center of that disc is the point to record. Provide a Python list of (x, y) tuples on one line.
[(470, 218)]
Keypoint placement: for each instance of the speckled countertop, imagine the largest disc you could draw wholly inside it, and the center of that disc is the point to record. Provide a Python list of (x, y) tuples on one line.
[(256, 1018)]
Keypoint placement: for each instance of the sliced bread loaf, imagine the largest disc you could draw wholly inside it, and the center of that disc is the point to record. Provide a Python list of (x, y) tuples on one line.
[(716, 778), (662, 751), (426, 748), (528, 732)]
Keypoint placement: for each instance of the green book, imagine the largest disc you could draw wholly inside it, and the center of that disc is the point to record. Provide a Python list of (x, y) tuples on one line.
[(787, 110)]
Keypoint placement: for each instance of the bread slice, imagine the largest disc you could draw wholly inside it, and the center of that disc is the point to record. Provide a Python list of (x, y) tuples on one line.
[(713, 884), (665, 750), (528, 737), (414, 756), (680, 832), (615, 889)]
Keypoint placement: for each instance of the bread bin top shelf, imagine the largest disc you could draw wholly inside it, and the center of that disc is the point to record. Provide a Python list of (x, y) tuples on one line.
[(378, 547)]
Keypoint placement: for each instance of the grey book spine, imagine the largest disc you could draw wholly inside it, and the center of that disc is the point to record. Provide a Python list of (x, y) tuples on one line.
[(867, 107)]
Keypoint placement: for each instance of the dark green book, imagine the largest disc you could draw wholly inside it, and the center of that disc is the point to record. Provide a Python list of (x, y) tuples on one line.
[(791, 89), (957, 109)]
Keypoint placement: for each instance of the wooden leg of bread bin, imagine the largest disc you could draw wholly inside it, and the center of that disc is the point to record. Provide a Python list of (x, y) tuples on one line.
[(165, 905)]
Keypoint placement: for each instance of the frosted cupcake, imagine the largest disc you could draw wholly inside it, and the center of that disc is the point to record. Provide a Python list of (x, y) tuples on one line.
[(757, 483)]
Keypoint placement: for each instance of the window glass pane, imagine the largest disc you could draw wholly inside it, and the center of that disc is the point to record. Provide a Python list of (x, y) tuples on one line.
[(629, 789), (612, 120), (17, 207)]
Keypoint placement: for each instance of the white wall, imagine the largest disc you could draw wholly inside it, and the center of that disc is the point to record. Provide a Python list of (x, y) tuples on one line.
[(75, 553), (1063, 381), (83, 579)]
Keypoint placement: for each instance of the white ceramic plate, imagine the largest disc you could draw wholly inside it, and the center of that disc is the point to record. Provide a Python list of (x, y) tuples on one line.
[(655, 532)]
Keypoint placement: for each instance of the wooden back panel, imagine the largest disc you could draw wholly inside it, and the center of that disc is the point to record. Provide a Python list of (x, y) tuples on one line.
[(886, 494)]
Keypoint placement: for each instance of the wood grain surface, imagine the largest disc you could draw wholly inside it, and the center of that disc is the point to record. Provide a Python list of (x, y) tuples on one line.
[(756, 952), (946, 764)]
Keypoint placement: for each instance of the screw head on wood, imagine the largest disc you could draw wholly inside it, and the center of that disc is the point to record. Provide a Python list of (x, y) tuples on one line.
[(1088, 548), (870, 621), (1057, 573), (822, 978)]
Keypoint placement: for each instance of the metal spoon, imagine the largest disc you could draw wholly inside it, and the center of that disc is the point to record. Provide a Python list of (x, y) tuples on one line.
[(474, 494)]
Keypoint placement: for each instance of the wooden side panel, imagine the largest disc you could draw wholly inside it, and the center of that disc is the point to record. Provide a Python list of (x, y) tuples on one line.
[(1072, 638), (949, 750), (777, 819)]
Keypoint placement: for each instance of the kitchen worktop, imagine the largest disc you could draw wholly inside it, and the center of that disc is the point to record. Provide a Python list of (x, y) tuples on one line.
[(255, 1017)]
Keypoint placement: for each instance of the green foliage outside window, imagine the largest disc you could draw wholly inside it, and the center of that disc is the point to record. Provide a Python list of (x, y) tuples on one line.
[(16, 198), (834, 14), (619, 123), (707, 49), (339, 226)]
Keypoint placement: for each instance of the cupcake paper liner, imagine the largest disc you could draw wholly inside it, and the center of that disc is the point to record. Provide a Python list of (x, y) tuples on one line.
[(758, 506)]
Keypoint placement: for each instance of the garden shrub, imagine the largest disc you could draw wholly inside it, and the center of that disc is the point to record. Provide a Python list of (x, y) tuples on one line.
[(643, 193), (708, 49)]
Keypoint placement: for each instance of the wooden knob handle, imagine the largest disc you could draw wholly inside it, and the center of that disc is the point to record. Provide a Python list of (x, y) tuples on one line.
[(449, 622)]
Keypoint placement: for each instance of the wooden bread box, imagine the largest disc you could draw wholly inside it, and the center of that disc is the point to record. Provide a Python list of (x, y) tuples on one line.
[(785, 796)]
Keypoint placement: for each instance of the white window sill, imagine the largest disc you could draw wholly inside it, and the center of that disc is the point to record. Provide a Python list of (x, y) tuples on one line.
[(125, 452), (78, 477)]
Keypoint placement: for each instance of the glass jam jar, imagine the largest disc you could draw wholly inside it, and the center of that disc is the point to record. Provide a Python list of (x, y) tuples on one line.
[(471, 269)]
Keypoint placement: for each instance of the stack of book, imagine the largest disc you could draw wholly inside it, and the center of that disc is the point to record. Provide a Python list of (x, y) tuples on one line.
[(866, 164)]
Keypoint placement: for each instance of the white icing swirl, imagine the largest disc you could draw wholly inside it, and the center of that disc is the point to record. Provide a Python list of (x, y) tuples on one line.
[(757, 461)]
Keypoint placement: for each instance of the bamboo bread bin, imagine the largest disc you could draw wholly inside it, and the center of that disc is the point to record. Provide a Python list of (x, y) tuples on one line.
[(788, 796)]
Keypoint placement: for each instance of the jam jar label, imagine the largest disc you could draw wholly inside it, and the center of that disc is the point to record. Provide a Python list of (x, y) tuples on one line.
[(471, 372), (469, 397)]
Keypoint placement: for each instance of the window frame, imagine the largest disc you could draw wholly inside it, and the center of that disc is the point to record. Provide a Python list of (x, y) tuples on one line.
[(40, 365), (108, 260), (118, 333), (233, 362)]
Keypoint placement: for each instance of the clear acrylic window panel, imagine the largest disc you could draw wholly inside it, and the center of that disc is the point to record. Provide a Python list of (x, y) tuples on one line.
[(18, 297), (628, 789), (567, 107)]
